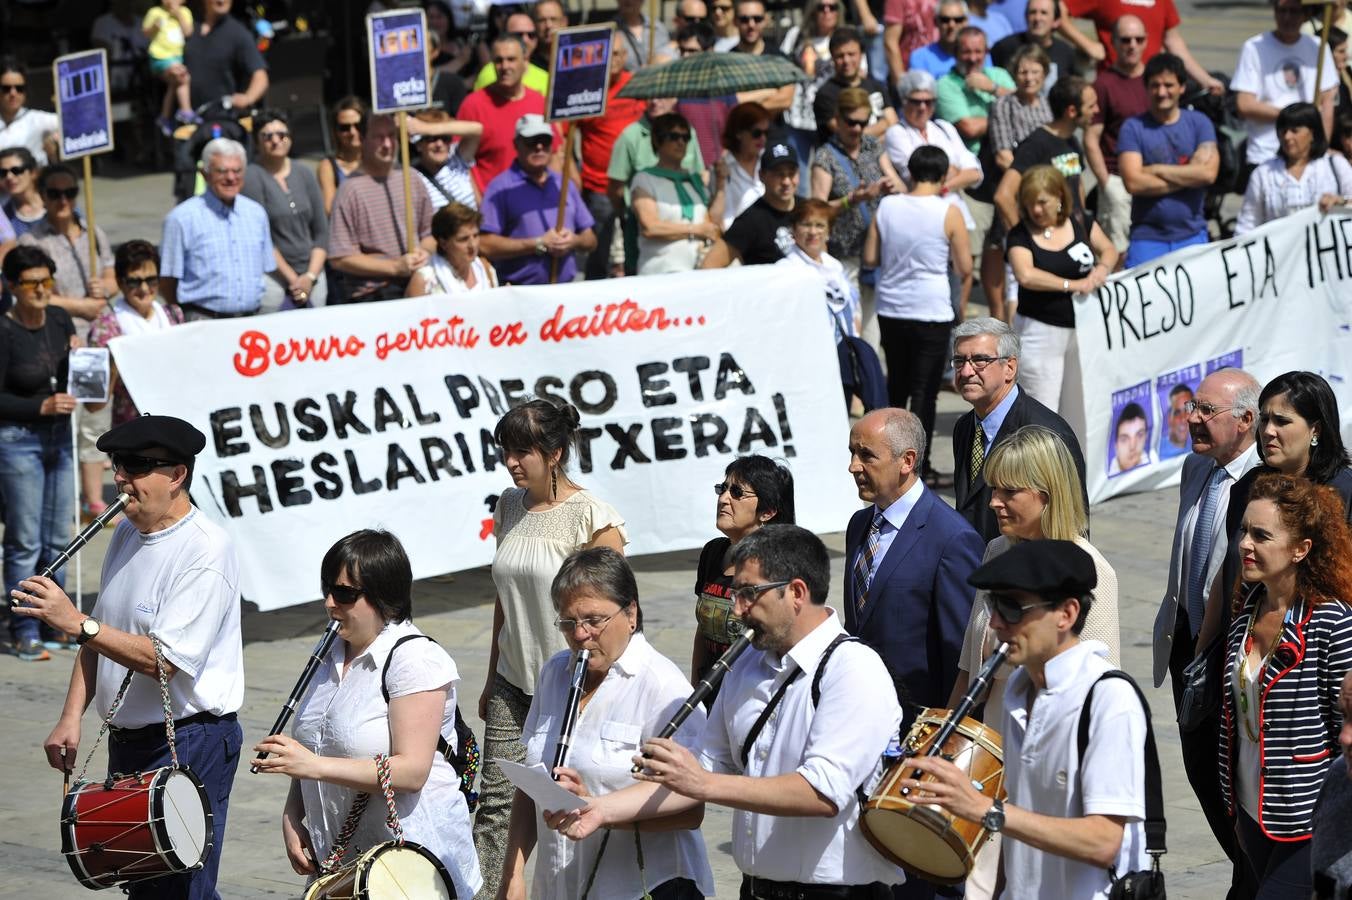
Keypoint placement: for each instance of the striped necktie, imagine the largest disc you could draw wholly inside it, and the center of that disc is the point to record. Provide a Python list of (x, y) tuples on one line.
[(978, 451), (1200, 556), (863, 563)]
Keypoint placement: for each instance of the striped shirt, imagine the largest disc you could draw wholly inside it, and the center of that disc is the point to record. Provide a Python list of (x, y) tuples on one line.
[(218, 253), (1299, 711), (454, 182), (368, 218), (1011, 121)]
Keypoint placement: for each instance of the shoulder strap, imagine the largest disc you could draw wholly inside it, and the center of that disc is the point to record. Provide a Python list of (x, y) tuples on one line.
[(764, 717), (442, 747), (1155, 825), (851, 177), (821, 665)]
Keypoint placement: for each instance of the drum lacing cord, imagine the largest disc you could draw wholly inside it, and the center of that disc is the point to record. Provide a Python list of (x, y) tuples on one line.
[(334, 860), (601, 851), (117, 705)]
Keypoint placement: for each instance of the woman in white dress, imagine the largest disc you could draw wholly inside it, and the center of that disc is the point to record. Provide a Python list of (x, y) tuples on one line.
[(629, 692), (344, 721), (677, 216), (457, 267), (539, 522)]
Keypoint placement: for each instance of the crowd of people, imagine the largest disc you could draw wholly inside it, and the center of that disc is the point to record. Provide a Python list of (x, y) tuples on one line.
[(930, 147)]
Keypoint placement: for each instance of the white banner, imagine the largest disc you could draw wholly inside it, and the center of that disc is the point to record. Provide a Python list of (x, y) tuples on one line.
[(1274, 300), (320, 422)]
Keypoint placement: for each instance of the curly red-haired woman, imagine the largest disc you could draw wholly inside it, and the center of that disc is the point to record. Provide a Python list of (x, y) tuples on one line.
[(1290, 645)]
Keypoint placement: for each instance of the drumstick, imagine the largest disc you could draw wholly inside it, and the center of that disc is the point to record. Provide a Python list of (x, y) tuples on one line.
[(974, 692)]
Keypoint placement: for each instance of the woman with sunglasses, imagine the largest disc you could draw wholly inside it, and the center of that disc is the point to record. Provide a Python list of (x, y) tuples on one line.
[(755, 491), (82, 288), (744, 139), (677, 217), (1288, 647), (36, 474), (292, 198), (21, 126), (1036, 495), (381, 689), (629, 692), (19, 182), (539, 522), (350, 116)]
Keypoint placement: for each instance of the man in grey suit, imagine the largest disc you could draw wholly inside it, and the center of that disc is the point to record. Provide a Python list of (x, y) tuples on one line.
[(1222, 419), (985, 371)]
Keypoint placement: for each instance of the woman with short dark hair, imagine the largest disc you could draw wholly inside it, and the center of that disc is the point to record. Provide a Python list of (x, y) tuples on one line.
[(744, 139), (677, 217), (457, 267), (383, 688), (19, 183), (1301, 175)]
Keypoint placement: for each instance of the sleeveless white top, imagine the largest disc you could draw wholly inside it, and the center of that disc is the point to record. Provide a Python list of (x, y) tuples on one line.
[(913, 259)]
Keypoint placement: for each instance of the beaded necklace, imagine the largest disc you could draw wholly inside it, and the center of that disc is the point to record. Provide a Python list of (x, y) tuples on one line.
[(1251, 728)]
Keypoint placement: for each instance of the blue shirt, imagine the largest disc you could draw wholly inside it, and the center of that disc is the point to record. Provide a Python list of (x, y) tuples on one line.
[(936, 60), (996, 418), (514, 206), (1178, 215), (218, 253), (994, 23), (1015, 13)]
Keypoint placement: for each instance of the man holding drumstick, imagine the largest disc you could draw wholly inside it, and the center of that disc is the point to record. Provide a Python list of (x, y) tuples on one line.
[(786, 757), (1077, 817), (170, 572)]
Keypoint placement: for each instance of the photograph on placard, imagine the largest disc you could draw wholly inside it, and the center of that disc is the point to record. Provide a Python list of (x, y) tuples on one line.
[(1173, 392), (1129, 445)]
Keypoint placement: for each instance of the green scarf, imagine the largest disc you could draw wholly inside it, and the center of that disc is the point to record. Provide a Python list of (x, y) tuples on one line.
[(680, 177)]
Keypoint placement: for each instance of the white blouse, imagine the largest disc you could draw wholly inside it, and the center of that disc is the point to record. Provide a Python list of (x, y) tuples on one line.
[(1273, 193), (639, 695), (742, 189), (531, 548), (344, 715), (439, 278)]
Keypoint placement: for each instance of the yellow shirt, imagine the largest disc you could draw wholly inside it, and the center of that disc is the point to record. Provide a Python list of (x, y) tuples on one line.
[(536, 78), (169, 40)]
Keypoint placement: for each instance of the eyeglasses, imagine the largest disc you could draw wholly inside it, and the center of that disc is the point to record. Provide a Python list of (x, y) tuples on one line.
[(736, 491), (856, 123), (1131, 39), (828, 7), (750, 20), (758, 132), (135, 284), (226, 173), (951, 20), (747, 594), (16, 171), (920, 101), (347, 126), (345, 594), (524, 35), (134, 464), (978, 363), (592, 624), (32, 284), (1206, 409), (69, 193), (683, 136), (691, 20), (13, 88), (1010, 609), (275, 135)]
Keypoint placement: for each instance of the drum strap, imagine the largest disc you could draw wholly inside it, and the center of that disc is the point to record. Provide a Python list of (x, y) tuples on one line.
[(1155, 825), (779, 694)]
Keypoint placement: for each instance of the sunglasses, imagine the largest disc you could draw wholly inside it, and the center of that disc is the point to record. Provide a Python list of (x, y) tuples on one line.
[(920, 101), (524, 35), (750, 20), (348, 126), (735, 491), (951, 20), (135, 284), (32, 284), (345, 594), (12, 88), (276, 135), (758, 132), (856, 123), (69, 193), (541, 141), (682, 136), (134, 464), (828, 7), (16, 171), (1131, 39), (1010, 609), (691, 20)]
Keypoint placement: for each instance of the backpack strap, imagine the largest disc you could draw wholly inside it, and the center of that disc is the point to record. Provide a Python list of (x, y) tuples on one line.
[(1155, 825), (779, 694), (442, 747), (821, 665)]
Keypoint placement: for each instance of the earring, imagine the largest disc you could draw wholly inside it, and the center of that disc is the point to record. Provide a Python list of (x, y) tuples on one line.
[(1314, 441), (553, 483)]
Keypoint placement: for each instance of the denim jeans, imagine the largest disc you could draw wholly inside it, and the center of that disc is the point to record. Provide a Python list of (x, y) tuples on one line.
[(37, 491), (211, 751)]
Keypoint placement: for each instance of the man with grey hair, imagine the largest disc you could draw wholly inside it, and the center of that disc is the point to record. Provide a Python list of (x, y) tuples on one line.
[(1222, 420), (217, 247), (939, 57), (985, 374)]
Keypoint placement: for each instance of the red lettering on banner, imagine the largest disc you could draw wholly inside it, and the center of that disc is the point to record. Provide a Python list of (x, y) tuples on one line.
[(512, 334), (613, 318), (258, 351), (428, 335)]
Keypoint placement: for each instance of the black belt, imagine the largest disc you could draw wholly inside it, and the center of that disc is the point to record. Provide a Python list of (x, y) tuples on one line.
[(764, 889), (149, 731), (198, 309)]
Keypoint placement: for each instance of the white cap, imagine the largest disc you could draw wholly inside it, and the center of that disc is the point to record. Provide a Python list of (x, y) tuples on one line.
[(533, 125)]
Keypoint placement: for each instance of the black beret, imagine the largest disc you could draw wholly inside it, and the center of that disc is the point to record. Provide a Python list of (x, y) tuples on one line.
[(175, 435), (1052, 569)]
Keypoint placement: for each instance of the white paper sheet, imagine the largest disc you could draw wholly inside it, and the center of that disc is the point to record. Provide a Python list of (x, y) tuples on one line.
[(537, 784)]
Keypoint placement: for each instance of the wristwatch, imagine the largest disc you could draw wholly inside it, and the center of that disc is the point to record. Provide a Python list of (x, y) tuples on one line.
[(539, 247), (994, 819), (89, 629)]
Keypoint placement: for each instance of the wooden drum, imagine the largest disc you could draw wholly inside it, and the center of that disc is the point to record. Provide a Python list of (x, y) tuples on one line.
[(387, 871)]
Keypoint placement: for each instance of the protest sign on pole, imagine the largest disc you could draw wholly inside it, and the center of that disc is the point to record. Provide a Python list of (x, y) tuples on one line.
[(1274, 300), (397, 47), (320, 422), (579, 82)]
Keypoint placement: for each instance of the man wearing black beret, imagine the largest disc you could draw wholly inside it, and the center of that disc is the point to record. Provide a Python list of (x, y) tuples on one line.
[(172, 573), (1071, 817)]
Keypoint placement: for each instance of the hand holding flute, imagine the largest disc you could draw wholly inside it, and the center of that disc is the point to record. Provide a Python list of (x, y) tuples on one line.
[(306, 676), (576, 685)]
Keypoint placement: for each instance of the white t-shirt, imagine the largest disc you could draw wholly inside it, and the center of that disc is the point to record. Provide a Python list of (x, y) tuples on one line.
[(681, 255), (639, 695), (182, 585), (741, 189), (1280, 74), (27, 130), (345, 715)]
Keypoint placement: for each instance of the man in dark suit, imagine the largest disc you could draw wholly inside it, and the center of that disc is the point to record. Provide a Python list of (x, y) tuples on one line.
[(907, 558), (1222, 421), (985, 369)]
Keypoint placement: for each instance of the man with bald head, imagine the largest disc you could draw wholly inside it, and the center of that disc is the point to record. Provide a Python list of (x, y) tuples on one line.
[(1222, 421), (688, 12), (522, 27), (1121, 95)]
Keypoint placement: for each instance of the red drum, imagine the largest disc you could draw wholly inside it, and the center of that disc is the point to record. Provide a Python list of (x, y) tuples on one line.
[(136, 827)]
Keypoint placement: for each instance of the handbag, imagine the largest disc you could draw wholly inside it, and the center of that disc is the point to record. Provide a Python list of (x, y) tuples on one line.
[(1145, 884), (1201, 695)]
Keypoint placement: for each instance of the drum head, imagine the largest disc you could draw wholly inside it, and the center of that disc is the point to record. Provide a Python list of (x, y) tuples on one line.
[(185, 830), (410, 871), (927, 853)]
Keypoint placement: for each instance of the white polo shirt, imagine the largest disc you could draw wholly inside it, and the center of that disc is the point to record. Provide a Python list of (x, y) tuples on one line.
[(1043, 772), (28, 129), (833, 746)]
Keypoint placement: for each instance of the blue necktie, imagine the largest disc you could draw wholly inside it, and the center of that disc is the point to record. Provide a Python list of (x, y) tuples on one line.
[(1201, 549), (863, 563)]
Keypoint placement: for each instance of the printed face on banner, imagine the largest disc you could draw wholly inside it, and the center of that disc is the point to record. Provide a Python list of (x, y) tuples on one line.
[(1173, 392), (1132, 427), (326, 421), (397, 45), (581, 77), (83, 104)]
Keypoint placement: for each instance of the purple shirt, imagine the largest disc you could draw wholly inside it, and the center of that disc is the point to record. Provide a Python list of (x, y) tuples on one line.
[(514, 206)]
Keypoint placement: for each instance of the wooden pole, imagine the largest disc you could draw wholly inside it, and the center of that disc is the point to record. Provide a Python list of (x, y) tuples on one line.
[(94, 272), (652, 29), (1323, 48), (410, 230), (563, 194)]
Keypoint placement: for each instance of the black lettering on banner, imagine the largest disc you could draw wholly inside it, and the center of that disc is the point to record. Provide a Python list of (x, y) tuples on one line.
[(232, 491), (463, 394), (330, 486), (785, 432), (344, 417), (710, 431), (437, 457), (492, 396), (667, 439), (730, 377), (359, 485), (312, 426), (419, 416), (1345, 223), (225, 434), (585, 436), (653, 390), (755, 430), (273, 441), (464, 451), (692, 366), (398, 467), (627, 441), (514, 389), (489, 450), (1126, 303), (387, 412), (547, 385), (291, 491), (1322, 249), (609, 395)]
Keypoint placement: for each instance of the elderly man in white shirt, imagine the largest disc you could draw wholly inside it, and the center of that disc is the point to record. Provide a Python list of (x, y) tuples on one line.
[(793, 784), (919, 128)]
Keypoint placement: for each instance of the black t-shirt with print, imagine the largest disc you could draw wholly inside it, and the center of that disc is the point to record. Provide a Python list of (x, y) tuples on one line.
[(762, 234), (1071, 262)]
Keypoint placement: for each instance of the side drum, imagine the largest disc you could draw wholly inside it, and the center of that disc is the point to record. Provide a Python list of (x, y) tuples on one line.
[(923, 838), (387, 871)]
